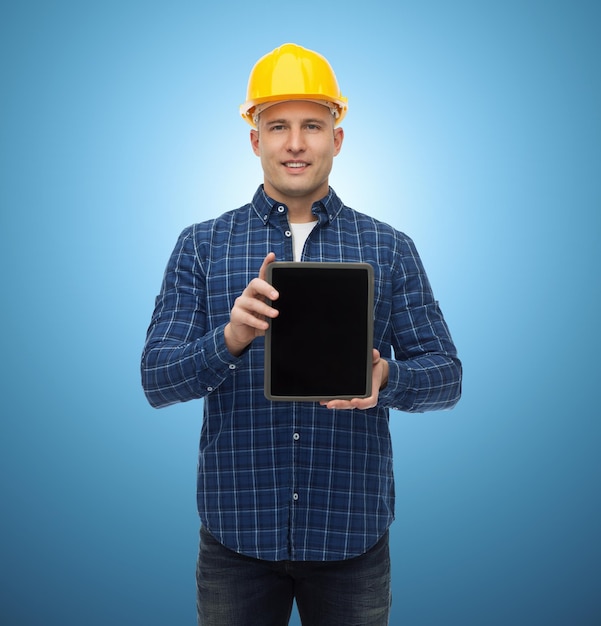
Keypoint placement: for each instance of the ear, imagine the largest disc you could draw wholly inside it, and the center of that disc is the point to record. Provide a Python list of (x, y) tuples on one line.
[(338, 139), (254, 141)]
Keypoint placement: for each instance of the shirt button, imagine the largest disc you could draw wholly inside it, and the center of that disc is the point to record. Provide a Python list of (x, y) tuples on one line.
[(296, 436), (232, 366), (281, 209), (295, 496), (288, 233), (209, 388)]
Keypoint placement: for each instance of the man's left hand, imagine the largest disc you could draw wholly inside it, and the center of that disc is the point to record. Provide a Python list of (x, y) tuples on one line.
[(379, 380)]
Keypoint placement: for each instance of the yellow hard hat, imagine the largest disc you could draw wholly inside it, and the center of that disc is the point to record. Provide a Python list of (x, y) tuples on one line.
[(292, 72)]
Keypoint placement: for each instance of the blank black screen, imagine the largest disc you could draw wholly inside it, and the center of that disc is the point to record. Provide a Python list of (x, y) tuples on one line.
[(320, 344)]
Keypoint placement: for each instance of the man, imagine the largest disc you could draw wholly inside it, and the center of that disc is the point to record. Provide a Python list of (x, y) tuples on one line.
[(295, 498)]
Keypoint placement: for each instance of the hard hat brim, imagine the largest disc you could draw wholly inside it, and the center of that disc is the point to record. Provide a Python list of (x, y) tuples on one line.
[(248, 109)]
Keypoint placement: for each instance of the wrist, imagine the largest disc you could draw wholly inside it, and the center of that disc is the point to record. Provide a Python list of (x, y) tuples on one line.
[(385, 372), (235, 347)]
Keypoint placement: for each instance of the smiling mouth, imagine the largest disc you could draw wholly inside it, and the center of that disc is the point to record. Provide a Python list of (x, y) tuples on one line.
[(295, 164)]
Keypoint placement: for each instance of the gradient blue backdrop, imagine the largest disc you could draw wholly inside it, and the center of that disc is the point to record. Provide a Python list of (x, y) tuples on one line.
[(473, 126)]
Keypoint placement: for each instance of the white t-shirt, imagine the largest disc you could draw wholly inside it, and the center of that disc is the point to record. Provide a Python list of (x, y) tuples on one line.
[(300, 232)]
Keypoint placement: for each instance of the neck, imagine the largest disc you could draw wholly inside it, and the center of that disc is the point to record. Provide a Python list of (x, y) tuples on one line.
[(300, 214), (299, 208)]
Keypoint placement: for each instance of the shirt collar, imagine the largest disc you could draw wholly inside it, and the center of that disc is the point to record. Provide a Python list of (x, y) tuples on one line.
[(326, 209)]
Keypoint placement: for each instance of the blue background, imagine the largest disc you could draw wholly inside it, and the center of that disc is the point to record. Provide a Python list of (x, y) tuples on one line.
[(474, 127)]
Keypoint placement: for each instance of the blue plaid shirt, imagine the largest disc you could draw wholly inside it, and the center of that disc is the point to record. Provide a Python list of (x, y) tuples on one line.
[(289, 480)]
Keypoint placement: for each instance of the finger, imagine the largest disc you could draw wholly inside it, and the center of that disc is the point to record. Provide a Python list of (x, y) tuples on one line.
[(339, 404), (252, 321), (364, 403), (253, 306), (270, 258), (355, 403), (260, 288)]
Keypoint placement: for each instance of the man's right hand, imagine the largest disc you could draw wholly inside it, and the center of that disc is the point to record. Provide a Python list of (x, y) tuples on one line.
[(250, 310)]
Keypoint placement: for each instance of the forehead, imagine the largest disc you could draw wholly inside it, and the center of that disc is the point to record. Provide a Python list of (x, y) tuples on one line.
[(296, 109)]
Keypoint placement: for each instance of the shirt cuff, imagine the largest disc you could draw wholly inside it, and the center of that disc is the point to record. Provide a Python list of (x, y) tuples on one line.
[(216, 359), (395, 394)]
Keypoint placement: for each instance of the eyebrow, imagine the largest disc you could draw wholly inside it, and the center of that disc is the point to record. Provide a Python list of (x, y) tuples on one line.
[(309, 120)]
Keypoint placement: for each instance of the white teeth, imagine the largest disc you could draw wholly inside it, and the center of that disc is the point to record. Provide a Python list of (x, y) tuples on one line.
[(295, 164)]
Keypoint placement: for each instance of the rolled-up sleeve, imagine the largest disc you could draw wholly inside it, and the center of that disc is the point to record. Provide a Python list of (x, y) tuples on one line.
[(426, 373), (182, 360)]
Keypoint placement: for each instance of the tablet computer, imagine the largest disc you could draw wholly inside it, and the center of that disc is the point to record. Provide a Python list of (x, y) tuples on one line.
[(320, 345)]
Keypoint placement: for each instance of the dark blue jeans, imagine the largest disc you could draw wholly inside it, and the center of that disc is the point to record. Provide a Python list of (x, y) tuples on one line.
[(236, 590)]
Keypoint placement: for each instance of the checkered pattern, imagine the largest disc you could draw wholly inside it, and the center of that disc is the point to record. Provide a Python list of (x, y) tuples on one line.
[(293, 480)]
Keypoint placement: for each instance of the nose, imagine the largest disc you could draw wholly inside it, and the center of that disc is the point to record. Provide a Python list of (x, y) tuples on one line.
[(295, 140)]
